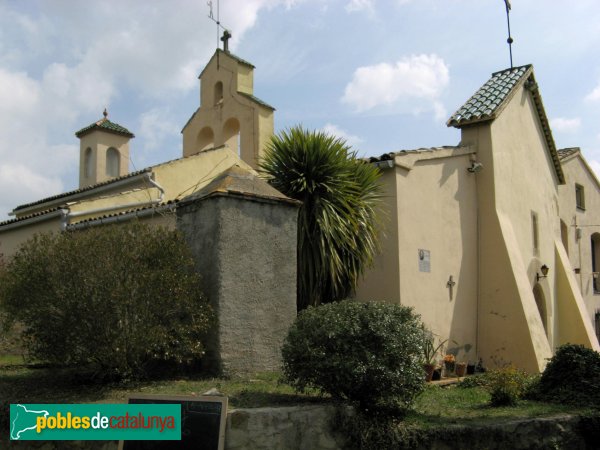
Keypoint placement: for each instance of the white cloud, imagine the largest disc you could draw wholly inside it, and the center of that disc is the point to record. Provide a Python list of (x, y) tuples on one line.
[(594, 95), (156, 126), (350, 139), (565, 125), (414, 83), (360, 5), (32, 185)]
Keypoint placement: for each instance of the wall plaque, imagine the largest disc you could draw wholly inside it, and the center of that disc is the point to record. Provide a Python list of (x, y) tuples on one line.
[(424, 260)]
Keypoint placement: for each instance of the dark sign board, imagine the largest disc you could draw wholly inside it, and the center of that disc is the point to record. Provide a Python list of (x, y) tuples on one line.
[(202, 423)]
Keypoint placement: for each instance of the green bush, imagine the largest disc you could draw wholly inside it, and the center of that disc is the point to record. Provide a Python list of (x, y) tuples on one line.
[(571, 376), (118, 298), (366, 353), (507, 385)]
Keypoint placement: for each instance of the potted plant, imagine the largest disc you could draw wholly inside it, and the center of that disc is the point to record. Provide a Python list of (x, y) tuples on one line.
[(449, 363), (461, 368), (430, 350)]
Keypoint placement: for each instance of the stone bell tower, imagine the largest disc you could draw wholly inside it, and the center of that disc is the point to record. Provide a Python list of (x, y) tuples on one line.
[(103, 151)]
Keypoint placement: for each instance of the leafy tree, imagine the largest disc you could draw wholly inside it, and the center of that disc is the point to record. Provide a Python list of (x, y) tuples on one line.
[(119, 297), (367, 353), (337, 236)]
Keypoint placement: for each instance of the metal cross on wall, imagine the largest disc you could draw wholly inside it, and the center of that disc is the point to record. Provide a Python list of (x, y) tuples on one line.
[(450, 284)]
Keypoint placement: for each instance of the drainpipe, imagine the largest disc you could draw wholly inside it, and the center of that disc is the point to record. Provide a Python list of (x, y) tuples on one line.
[(128, 205)]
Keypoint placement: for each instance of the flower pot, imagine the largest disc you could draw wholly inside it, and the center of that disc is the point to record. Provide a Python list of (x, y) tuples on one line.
[(461, 368), (429, 368), (437, 375), (449, 368), (470, 369)]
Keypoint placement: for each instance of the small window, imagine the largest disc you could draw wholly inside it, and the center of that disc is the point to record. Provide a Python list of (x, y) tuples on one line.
[(112, 163), (579, 197), (535, 231), (218, 92), (87, 163), (595, 251)]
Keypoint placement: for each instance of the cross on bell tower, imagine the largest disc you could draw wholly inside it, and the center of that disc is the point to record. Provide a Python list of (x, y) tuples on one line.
[(225, 39)]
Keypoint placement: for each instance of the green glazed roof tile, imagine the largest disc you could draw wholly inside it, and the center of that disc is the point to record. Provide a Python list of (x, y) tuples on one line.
[(105, 125), (486, 101)]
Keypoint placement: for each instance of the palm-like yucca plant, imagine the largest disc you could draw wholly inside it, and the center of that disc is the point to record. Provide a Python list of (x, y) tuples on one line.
[(337, 229)]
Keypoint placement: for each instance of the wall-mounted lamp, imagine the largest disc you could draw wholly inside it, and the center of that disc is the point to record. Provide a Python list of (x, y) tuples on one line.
[(475, 167), (544, 274)]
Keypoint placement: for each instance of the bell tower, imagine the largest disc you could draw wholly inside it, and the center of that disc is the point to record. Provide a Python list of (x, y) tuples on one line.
[(103, 151), (229, 113)]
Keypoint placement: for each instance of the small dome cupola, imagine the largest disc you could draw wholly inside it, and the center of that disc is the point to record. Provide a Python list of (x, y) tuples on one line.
[(103, 151)]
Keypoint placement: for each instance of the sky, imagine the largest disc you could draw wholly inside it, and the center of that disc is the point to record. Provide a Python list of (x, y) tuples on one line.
[(383, 74)]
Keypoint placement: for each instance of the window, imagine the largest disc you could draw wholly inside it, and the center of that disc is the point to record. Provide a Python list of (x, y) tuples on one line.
[(595, 250), (535, 232), (218, 92), (579, 197), (87, 163), (112, 162)]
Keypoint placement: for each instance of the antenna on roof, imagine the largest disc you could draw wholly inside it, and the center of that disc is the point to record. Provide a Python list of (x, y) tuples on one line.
[(226, 33), (510, 39)]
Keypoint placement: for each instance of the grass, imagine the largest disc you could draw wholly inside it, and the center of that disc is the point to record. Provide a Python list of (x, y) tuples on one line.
[(436, 406), (452, 405), (39, 384)]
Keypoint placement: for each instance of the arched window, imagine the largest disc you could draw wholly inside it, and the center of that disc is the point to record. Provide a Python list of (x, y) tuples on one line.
[(218, 92), (87, 163), (595, 248), (540, 301), (231, 135), (205, 139), (113, 163)]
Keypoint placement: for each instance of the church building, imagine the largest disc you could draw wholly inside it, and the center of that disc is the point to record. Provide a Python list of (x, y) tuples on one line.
[(495, 242)]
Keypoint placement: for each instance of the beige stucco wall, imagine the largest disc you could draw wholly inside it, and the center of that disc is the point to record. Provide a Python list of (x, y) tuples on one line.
[(518, 179), (99, 142), (382, 281), (432, 207), (255, 120), (12, 238), (587, 221)]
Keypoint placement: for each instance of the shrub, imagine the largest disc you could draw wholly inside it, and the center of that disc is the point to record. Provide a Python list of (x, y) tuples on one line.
[(507, 385), (117, 297), (366, 353), (571, 376)]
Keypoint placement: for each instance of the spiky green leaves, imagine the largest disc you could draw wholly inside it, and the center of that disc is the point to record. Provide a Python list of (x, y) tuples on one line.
[(337, 230)]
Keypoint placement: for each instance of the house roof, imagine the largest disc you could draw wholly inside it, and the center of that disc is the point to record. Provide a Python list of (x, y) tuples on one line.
[(489, 101), (241, 182), (105, 125), (220, 52), (83, 189), (490, 98), (564, 153), (256, 100), (392, 155)]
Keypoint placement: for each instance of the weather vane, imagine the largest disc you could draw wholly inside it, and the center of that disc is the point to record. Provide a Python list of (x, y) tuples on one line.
[(226, 32), (510, 39)]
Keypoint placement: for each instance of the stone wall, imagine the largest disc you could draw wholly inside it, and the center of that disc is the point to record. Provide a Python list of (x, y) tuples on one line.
[(245, 250), (308, 427)]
